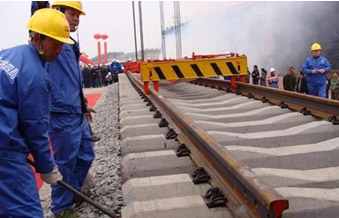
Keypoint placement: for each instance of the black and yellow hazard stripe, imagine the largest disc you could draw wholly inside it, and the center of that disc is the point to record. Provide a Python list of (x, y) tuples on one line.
[(189, 69)]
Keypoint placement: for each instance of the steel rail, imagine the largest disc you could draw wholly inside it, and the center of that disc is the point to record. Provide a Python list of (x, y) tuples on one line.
[(320, 107), (235, 178)]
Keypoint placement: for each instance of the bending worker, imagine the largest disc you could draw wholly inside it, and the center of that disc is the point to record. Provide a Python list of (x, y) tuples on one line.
[(69, 132), (24, 114), (315, 68)]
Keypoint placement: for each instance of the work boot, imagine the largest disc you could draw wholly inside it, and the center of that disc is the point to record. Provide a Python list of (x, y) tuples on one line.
[(70, 213), (95, 138), (77, 201)]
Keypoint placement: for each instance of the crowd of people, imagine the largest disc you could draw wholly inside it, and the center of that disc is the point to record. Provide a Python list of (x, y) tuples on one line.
[(312, 78), (95, 76), (101, 75)]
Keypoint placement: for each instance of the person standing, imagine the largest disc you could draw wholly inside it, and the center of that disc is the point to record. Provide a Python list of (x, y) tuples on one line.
[(273, 79), (99, 75), (328, 85), (37, 5), (87, 74), (255, 75), (289, 80), (316, 67), (248, 76), (24, 114), (69, 131), (335, 87), (104, 73), (94, 72), (263, 77), (301, 86)]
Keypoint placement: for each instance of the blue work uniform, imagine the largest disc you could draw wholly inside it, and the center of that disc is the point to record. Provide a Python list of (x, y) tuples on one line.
[(24, 115), (69, 131), (35, 6), (116, 67), (316, 81)]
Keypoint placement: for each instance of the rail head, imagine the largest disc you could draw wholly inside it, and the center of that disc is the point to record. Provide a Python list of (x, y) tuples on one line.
[(236, 177)]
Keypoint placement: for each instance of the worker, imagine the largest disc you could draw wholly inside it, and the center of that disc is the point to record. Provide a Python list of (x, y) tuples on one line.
[(24, 114), (273, 79), (36, 5), (316, 67), (69, 132)]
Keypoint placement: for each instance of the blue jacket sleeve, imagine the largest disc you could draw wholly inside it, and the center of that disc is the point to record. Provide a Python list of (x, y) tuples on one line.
[(306, 68), (33, 110), (327, 66)]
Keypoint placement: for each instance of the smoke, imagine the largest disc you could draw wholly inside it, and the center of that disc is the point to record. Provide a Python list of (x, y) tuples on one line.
[(271, 34)]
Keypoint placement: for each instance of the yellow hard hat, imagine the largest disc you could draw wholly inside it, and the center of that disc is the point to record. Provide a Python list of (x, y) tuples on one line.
[(51, 23), (315, 47), (72, 4)]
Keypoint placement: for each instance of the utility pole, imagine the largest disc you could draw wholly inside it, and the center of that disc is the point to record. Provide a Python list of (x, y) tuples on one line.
[(135, 33), (177, 28), (141, 33), (162, 23)]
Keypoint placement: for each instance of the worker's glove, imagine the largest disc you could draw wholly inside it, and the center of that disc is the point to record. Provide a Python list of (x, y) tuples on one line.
[(91, 110), (89, 114), (52, 177), (315, 71), (322, 71)]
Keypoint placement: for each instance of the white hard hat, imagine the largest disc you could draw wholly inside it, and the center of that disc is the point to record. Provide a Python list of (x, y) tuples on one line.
[(272, 70)]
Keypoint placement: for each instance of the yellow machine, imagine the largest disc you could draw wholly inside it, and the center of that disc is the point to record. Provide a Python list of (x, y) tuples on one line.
[(198, 66)]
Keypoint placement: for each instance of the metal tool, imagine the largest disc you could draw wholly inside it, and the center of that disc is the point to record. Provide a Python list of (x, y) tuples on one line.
[(81, 195)]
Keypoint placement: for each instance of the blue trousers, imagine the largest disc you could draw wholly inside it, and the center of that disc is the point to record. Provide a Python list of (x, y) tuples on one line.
[(19, 195), (73, 153), (317, 89)]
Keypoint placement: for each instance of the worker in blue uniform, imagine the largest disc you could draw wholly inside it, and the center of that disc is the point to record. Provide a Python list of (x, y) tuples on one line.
[(316, 67), (36, 5), (24, 114), (69, 131)]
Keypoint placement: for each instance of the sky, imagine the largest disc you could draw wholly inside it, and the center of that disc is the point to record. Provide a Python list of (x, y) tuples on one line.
[(113, 18), (271, 34)]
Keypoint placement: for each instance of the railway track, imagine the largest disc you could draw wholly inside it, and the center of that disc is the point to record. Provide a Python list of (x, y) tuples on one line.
[(270, 152)]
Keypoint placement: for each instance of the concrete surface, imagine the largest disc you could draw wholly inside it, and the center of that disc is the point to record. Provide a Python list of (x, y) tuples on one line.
[(155, 163)]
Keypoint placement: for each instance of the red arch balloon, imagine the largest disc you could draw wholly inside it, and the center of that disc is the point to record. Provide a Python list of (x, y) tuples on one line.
[(104, 36), (97, 36)]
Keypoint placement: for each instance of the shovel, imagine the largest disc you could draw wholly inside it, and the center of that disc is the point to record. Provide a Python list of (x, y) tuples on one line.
[(79, 194)]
